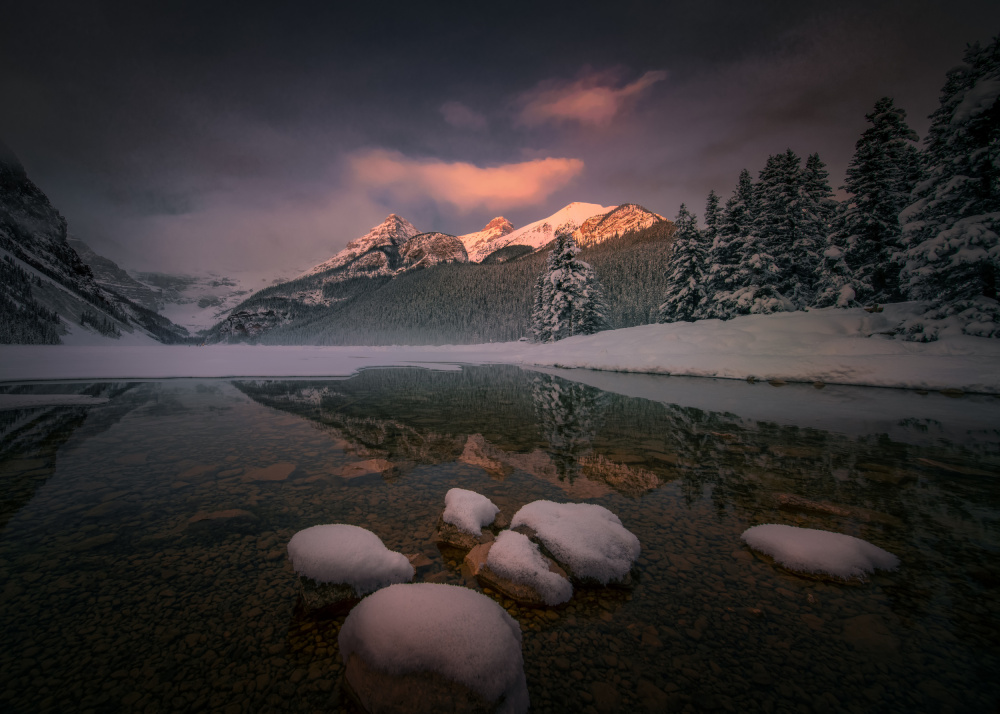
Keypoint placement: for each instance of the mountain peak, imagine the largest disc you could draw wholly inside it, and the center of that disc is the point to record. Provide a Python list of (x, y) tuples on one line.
[(500, 225)]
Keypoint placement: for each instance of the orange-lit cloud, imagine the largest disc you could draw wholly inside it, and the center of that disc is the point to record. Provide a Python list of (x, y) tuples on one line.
[(590, 100), (463, 185)]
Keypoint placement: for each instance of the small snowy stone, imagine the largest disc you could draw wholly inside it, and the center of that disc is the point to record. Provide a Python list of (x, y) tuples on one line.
[(417, 646), (514, 557), (811, 551), (468, 511), (588, 539), (349, 555)]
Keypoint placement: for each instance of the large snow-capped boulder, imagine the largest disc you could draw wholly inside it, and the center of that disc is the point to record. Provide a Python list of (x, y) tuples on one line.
[(469, 519), (817, 553), (433, 648), (515, 567), (587, 540), (427, 249), (338, 564)]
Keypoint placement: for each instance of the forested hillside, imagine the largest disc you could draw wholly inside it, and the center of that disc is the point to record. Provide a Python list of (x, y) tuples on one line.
[(468, 303)]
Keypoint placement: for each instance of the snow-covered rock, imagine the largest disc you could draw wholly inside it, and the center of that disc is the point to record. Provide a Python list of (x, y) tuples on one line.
[(468, 510), (339, 563), (814, 552), (626, 218), (588, 540), (469, 519), (515, 559), (433, 648), (427, 249)]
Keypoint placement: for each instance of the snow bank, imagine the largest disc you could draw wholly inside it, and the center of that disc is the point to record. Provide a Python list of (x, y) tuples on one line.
[(514, 557), (587, 538), (339, 553), (808, 550), (830, 345), (468, 511), (453, 631)]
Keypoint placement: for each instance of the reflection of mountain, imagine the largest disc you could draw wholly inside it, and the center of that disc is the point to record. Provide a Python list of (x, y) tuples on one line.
[(589, 443), (31, 438)]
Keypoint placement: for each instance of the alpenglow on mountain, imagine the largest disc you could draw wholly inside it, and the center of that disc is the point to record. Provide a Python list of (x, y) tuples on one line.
[(388, 259)]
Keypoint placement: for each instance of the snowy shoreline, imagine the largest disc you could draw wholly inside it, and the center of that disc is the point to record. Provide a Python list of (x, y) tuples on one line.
[(845, 347)]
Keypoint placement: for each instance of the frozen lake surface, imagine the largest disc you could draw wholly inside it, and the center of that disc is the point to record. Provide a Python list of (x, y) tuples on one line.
[(143, 565)]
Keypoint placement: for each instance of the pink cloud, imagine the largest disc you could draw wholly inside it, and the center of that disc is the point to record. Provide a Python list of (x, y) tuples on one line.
[(591, 100), (463, 185)]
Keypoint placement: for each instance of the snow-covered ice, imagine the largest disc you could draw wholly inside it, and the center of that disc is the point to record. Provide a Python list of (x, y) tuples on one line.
[(514, 557), (809, 550), (587, 538), (830, 345), (454, 631), (341, 553), (468, 511), (30, 401)]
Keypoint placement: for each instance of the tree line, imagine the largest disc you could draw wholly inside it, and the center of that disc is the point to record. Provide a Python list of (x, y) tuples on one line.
[(916, 225)]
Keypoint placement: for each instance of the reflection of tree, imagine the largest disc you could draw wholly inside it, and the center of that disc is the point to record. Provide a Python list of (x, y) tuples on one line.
[(569, 415)]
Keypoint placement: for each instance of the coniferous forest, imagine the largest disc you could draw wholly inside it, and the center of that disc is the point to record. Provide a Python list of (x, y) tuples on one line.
[(916, 224)]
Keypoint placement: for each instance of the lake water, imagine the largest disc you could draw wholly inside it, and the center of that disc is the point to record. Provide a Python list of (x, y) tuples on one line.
[(143, 566)]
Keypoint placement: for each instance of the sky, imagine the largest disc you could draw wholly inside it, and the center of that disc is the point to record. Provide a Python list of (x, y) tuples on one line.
[(250, 138)]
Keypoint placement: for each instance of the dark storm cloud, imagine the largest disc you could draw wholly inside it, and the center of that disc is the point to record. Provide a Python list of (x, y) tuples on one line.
[(214, 135)]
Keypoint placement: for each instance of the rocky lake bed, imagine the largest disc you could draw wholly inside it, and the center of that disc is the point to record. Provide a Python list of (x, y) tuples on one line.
[(143, 562)]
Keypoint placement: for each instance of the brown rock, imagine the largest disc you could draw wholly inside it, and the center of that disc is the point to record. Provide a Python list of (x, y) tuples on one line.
[(606, 698), (419, 560), (448, 534), (274, 472), (869, 632), (652, 698), (218, 515), (364, 468)]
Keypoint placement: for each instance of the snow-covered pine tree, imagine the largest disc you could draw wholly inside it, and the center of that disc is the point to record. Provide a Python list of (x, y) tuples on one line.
[(951, 247), (881, 175), (713, 218), (726, 251), (569, 300), (763, 275), (686, 282), (830, 272)]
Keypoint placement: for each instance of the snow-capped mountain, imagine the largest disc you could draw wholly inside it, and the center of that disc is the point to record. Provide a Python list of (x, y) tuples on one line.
[(540, 233), (108, 274), (480, 240), (46, 291), (369, 252), (626, 218)]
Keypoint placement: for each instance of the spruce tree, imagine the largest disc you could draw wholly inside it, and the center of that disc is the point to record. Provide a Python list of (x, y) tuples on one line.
[(726, 251), (569, 300), (818, 262), (713, 218), (951, 246), (884, 170), (686, 282)]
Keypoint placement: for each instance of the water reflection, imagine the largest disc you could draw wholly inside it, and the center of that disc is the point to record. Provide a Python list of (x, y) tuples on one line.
[(142, 566)]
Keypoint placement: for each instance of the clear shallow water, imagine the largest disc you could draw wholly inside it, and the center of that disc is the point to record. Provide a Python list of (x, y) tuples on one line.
[(142, 563)]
